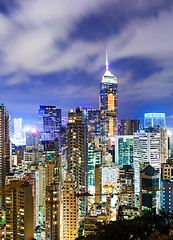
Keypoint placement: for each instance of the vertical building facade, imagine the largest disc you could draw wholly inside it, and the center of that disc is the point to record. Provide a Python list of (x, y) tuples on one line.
[(124, 150), (69, 208), (146, 148), (50, 123), (108, 107), (77, 155), (53, 211), (98, 183), (93, 121), (149, 199), (5, 151), (19, 213), (128, 126)]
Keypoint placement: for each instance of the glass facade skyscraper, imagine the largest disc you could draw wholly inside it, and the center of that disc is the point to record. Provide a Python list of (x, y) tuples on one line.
[(50, 123), (93, 121), (154, 120), (124, 150), (108, 107)]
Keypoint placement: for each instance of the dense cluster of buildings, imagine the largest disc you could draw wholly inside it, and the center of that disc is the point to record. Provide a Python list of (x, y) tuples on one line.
[(60, 180)]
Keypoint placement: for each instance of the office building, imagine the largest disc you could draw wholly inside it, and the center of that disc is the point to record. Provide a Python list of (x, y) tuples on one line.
[(5, 153), (50, 123), (33, 137), (19, 213), (108, 107), (128, 127), (124, 150), (93, 121), (77, 155), (18, 137), (69, 208), (146, 148), (149, 184), (94, 157), (154, 120)]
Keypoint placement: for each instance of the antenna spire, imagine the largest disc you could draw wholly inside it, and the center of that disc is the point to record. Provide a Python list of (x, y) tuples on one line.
[(107, 67)]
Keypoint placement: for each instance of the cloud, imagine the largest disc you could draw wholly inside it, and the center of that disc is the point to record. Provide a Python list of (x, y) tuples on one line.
[(32, 36), (42, 37)]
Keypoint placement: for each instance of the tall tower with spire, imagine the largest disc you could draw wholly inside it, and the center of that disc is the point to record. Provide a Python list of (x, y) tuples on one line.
[(108, 106)]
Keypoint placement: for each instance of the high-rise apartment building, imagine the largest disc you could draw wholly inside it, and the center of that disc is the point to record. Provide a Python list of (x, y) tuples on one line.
[(42, 192), (19, 213), (98, 183), (53, 194), (50, 123), (69, 208), (5, 153), (77, 155), (154, 120), (53, 211), (108, 107)]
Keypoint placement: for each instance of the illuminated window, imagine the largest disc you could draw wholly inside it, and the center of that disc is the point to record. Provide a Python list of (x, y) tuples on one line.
[(111, 102)]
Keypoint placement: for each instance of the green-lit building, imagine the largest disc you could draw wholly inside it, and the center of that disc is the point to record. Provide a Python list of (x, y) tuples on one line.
[(124, 150)]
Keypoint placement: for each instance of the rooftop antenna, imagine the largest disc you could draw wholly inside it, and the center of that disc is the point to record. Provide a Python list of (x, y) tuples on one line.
[(107, 67)]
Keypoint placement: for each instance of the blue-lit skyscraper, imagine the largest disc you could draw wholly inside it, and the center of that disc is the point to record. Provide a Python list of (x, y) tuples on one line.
[(108, 107), (154, 120), (93, 121), (50, 123)]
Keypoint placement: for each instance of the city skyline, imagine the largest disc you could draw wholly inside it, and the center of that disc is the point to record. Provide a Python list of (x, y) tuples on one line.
[(58, 58)]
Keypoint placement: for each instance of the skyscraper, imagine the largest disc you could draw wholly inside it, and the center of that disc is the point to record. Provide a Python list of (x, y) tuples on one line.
[(93, 121), (149, 178), (69, 202), (50, 123), (124, 150), (128, 126), (4, 148), (52, 224), (108, 107), (146, 148), (18, 136), (77, 155), (154, 120)]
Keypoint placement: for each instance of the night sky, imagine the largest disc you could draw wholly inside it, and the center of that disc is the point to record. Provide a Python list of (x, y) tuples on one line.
[(52, 52)]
